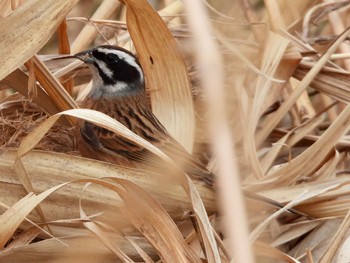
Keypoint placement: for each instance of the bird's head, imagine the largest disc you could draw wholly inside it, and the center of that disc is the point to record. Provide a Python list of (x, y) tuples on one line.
[(115, 71)]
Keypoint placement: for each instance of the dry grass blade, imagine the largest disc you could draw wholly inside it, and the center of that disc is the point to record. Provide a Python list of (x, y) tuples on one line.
[(290, 139), (304, 129), (339, 187), (257, 231), (206, 230), (55, 90), (165, 70), (334, 244), (211, 73), (268, 251), (295, 231), (25, 238), (156, 225), (96, 229), (18, 80), (88, 33), (275, 15), (142, 253), (271, 59), (319, 11), (343, 256), (20, 44), (64, 48), (268, 159), (12, 218), (335, 85)]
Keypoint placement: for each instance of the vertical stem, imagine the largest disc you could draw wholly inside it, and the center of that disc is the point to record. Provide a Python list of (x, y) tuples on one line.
[(229, 192)]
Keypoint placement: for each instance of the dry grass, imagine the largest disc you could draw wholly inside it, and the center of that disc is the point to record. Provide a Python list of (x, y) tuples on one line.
[(269, 80)]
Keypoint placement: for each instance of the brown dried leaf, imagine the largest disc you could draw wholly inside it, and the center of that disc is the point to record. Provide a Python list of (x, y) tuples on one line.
[(266, 250), (165, 70), (19, 43)]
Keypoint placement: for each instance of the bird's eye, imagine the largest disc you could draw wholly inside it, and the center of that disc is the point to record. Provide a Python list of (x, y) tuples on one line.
[(111, 58)]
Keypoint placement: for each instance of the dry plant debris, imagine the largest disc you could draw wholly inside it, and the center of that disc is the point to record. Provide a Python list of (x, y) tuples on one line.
[(286, 86)]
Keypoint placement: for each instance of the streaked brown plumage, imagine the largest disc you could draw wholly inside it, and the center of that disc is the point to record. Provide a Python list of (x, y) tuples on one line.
[(120, 93)]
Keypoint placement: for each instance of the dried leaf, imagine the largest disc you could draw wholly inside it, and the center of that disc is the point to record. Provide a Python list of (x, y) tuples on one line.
[(19, 43), (165, 70)]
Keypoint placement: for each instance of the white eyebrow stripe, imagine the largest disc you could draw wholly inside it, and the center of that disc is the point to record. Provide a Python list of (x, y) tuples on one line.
[(125, 56), (102, 65)]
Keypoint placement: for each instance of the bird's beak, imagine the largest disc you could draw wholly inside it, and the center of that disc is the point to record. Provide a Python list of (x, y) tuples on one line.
[(85, 56)]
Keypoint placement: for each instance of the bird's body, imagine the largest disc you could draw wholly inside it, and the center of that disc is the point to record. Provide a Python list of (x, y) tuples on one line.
[(119, 91)]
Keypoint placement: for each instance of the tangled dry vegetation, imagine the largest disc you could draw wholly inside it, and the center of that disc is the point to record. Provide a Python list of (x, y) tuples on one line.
[(285, 79)]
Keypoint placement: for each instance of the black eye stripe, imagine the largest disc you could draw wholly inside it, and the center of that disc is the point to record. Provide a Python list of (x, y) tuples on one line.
[(107, 57), (111, 58), (123, 71)]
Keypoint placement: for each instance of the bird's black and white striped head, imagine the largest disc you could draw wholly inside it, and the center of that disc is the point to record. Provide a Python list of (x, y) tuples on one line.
[(115, 71)]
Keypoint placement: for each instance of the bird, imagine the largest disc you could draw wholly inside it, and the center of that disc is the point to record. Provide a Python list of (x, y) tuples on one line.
[(118, 90)]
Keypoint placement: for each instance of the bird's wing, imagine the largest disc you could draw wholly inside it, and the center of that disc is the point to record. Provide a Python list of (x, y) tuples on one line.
[(112, 144)]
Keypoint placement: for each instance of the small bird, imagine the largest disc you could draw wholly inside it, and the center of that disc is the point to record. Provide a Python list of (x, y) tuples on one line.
[(118, 90)]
